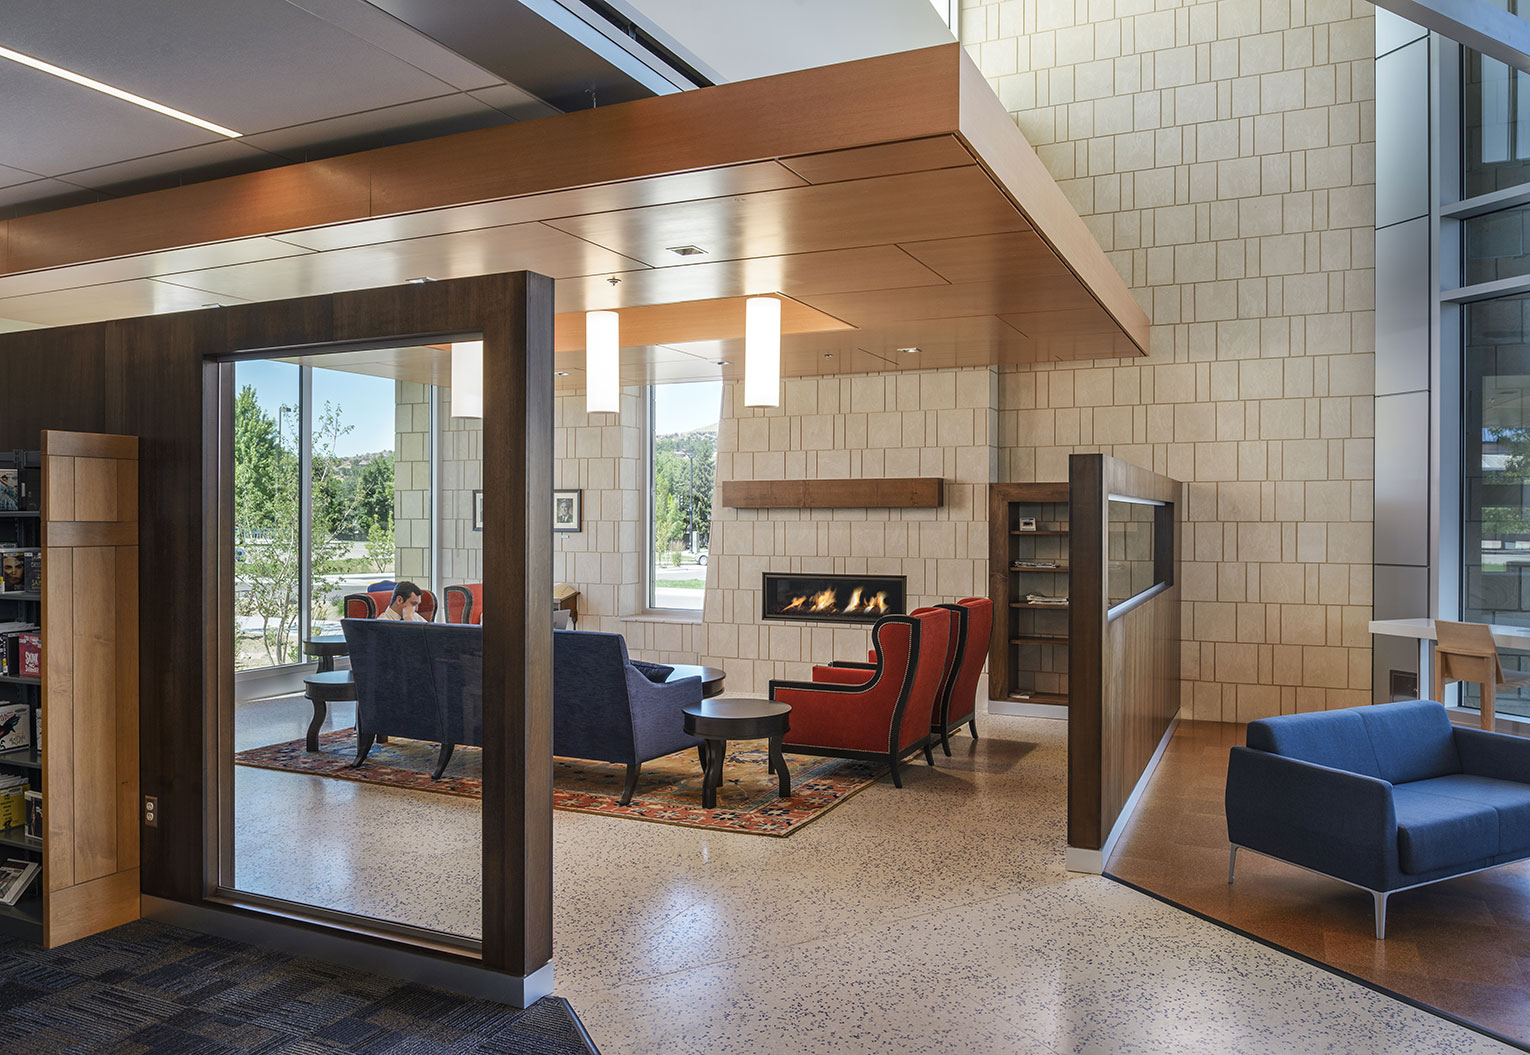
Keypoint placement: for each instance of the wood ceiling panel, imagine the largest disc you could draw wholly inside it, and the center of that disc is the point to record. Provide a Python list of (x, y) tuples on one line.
[(148, 265), (914, 207), (989, 257), (1074, 322), (528, 246), (874, 307), (629, 194), (421, 364), (114, 300), (802, 274), (701, 320), (884, 159)]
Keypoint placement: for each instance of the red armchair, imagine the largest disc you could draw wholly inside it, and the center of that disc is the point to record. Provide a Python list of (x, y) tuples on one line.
[(974, 626), (368, 605), (464, 604), (883, 714)]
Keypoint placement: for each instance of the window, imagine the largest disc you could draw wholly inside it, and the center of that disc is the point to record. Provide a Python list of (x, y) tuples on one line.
[(682, 459), (1495, 124)]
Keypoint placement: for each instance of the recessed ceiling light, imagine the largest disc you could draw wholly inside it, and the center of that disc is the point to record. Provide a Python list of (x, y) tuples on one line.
[(909, 351), (419, 281), (828, 355), (687, 250), (560, 373), (723, 362), (117, 93)]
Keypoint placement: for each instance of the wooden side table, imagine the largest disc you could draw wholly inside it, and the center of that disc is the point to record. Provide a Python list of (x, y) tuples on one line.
[(332, 686), (722, 719)]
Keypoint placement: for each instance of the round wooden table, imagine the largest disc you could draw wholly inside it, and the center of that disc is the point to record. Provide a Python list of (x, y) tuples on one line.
[(711, 678), (719, 720), (326, 647), (332, 686)]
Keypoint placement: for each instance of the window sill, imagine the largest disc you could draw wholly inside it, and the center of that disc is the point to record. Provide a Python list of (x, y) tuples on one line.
[(664, 615), (1471, 718)]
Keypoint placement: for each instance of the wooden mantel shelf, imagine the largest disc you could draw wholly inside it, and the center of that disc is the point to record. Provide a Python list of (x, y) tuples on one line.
[(909, 492)]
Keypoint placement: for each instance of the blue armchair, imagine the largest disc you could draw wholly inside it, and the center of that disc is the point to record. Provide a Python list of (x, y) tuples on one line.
[(607, 709), (1384, 798)]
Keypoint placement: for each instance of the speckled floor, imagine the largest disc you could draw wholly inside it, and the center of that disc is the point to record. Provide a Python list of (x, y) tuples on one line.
[(937, 918)]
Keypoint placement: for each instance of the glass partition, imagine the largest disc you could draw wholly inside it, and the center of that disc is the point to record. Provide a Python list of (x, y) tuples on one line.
[(1129, 548)]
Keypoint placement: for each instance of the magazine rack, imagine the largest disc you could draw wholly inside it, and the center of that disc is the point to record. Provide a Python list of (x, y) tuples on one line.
[(78, 498)]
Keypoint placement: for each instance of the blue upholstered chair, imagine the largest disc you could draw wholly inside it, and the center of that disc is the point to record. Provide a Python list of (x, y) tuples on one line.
[(607, 709), (419, 681), (1384, 798)]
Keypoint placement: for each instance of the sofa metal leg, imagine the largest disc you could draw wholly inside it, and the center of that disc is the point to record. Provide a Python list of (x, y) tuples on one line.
[(444, 757), (633, 769), (1232, 862), (1380, 898)]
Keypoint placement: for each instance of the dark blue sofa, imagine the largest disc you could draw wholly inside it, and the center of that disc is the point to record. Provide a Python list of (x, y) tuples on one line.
[(1385, 798), (609, 709)]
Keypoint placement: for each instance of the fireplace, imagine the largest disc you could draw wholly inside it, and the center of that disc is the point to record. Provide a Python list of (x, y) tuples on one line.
[(834, 598)]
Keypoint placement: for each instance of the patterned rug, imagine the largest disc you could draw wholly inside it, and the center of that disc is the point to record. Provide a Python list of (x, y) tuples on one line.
[(149, 989), (668, 792)]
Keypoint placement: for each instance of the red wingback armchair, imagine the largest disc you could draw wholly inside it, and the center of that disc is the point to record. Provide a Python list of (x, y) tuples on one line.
[(882, 714), (368, 605), (975, 625), (464, 603)]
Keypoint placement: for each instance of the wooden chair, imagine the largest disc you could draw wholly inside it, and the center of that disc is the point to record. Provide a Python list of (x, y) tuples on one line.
[(1465, 652)]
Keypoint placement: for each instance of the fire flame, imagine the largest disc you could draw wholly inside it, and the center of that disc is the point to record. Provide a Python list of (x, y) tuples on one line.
[(822, 600), (855, 600), (797, 602), (825, 601)]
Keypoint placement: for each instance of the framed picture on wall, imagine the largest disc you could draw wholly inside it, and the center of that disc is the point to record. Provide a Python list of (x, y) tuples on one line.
[(477, 510), (568, 510)]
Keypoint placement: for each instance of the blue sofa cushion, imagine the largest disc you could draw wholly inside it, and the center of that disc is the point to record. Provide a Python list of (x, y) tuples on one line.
[(1438, 832), (1509, 798), (1412, 740), (657, 673), (1336, 739)]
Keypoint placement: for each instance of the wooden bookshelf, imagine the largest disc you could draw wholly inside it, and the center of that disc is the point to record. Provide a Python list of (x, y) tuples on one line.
[(86, 765), (1028, 654)]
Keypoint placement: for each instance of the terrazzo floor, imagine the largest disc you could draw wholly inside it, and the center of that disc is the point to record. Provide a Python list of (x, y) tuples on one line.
[(936, 918)]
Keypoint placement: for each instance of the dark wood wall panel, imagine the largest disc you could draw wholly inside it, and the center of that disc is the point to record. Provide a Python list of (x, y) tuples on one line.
[(153, 377), (1124, 674)]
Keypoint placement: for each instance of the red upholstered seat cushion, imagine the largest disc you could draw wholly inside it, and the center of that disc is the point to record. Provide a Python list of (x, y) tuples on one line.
[(848, 716), (465, 596)]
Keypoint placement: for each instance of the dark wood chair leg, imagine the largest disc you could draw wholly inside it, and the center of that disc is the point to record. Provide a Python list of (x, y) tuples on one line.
[(897, 779), (972, 724), (945, 741), (319, 711), (929, 758), (445, 757), (633, 769), (364, 743)]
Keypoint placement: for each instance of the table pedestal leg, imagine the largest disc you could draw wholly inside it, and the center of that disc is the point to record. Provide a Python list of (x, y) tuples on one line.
[(783, 775), (326, 663), (713, 777), (319, 711)]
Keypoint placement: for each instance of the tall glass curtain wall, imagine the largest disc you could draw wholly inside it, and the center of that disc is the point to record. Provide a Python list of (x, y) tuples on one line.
[(1495, 357)]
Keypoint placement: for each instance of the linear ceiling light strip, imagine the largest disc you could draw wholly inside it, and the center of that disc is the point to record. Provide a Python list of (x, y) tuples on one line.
[(118, 93)]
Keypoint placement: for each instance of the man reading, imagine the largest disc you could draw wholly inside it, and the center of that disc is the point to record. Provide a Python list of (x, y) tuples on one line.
[(406, 599)]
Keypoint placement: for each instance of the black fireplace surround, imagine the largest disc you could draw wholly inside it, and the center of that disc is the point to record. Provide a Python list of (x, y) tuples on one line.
[(821, 598)]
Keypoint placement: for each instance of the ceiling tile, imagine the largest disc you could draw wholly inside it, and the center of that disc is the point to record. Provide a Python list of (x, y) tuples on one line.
[(116, 300), (514, 102), (382, 30), (251, 65), (226, 157), (423, 118), (10, 177), (49, 193)]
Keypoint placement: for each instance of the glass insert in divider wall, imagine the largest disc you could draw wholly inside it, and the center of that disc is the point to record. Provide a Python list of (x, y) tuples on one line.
[(683, 421), (1130, 567), (336, 473), (1495, 445)]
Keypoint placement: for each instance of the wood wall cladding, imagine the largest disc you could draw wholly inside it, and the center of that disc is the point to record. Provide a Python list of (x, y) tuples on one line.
[(838, 188), (1124, 673), (158, 378), (912, 492), (90, 683)]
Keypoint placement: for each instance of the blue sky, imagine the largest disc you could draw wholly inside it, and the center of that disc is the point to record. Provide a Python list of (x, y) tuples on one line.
[(681, 408)]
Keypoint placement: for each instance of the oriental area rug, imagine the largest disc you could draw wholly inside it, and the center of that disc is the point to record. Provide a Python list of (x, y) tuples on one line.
[(669, 791)]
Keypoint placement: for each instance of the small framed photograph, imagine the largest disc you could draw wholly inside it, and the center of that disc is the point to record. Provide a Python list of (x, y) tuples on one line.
[(477, 510), (568, 510), (1027, 523)]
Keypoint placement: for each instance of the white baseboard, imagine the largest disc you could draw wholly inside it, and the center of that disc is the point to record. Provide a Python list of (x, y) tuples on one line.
[(1022, 709), (1077, 859)]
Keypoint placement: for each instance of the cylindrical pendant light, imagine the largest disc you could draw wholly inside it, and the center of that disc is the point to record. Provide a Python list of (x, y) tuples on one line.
[(602, 363), (762, 352), (467, 379)]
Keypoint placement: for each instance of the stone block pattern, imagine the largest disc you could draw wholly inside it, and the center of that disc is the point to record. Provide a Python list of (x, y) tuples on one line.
[(1222, 153)]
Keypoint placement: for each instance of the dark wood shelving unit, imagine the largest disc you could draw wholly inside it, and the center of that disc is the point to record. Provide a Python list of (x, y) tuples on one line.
[(1028, 655), (22, 530)]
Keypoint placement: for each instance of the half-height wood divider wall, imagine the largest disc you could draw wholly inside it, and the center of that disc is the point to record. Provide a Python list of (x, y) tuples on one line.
[(1124, 637)]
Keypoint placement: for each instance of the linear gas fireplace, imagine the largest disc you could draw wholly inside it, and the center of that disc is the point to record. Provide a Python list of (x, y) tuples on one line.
[(834, 598)]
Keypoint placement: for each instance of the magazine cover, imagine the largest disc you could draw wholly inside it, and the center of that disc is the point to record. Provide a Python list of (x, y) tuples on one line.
[(15, 877), (34, 573), (15, 726), (29, 655), (13, 570), (10, 489)]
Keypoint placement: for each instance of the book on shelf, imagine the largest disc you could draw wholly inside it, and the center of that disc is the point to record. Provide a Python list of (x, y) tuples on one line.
[(1035, 565), (15, 877), (13, 802), (15, 728), (13, 655), (1044, 599), (34, 573), (34, 801)]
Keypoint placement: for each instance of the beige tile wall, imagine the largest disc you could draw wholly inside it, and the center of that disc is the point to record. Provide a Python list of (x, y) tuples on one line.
[(1222, 154)]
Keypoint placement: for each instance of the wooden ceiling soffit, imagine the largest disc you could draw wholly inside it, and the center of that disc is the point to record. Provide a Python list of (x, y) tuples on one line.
[(892, 158), (697, 320)]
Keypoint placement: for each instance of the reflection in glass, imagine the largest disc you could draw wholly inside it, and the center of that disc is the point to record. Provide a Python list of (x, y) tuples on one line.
[(1495, 124), (1495, 535), (1129, 549)]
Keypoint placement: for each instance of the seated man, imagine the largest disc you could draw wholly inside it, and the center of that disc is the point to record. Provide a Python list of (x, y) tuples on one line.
[(406, 598)]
